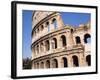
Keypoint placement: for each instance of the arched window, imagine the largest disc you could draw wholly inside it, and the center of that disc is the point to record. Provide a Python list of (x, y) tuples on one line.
[(71, 30), (64, 62), (37, 65), (42, 27), (54, 43), (63, 39), (87, 38), (88, 60), (41, 47), (75, 61), (47, 64), (47, 45), (37, 49), (77, 40), (42, 65), (48, 26), (54, 22), (55, 63)]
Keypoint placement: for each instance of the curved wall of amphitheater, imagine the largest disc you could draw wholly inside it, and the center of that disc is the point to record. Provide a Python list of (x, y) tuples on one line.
[(56, 45)]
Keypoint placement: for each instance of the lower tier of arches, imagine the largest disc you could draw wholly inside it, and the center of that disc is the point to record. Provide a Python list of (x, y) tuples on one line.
[(62, 61)]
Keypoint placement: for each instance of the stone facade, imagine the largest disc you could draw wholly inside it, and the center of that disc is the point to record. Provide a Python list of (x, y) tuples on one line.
[(55, 45)]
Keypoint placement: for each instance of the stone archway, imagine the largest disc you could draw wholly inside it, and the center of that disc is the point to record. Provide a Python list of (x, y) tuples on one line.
[(63, 39), (47, 45), (47, 64), (42, 65), (87, 38), (54, 45), (75, 61), (77, 40), (88, 60), (55, 63), (64, 62)]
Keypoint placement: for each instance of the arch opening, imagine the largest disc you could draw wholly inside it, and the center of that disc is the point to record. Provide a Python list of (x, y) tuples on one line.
[(87, 38), (65, 62), (47, 45), (88, 60), (54, 43), (75, 61), (37, 65), (78, 40), (63, 39), (42, 65), (54, 22), (55, 63), (47, 64)]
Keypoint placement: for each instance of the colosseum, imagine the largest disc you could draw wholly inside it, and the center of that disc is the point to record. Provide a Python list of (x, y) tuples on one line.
[(57, 45)]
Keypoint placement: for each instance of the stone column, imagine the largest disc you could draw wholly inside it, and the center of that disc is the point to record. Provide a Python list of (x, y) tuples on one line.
[(70, 61), (46, 28), (59, 43), (82, 39), (51, 63), (59, 62), (39, 49), (44, 46), (45, 64), (69, 38), (81, 59), (50, 44)]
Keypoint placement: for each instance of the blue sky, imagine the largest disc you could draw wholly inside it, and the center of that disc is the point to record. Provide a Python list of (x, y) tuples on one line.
[(73, 19), (27, 28)]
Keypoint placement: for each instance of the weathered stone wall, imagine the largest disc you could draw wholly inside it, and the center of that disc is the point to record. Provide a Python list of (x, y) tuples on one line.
[(57, 45)]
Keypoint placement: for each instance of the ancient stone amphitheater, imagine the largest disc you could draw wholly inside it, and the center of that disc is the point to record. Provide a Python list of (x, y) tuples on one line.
[(57, 45)]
